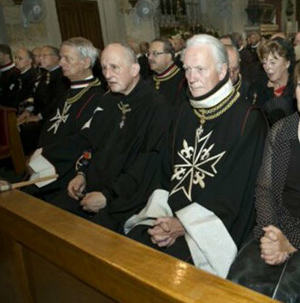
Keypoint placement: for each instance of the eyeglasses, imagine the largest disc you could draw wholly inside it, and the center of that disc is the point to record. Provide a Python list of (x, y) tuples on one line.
[(156, 53)]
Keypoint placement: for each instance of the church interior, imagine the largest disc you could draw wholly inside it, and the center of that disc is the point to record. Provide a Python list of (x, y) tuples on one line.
[(49, 255)]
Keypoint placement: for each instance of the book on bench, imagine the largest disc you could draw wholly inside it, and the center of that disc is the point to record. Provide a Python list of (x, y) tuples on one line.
[(41, 167)]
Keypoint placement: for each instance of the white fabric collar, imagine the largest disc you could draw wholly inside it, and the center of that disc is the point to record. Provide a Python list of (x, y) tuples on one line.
[(81, 85), (8, 67), (23, 72), (215, 98), (54, 68)]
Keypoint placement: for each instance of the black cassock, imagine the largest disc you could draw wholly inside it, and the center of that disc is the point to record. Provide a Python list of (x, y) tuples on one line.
[(48, 93), (126, 143), (59, 136), (24, 87), (49, 90), (214, 166), (8, 79), (171, 84)]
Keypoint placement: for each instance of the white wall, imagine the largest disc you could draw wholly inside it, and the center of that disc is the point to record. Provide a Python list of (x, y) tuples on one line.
[(17, 34), (118, 21), (225, 16)]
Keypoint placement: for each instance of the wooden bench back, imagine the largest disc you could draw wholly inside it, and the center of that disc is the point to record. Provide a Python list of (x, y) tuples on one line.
[(10, 142), (48, 255)]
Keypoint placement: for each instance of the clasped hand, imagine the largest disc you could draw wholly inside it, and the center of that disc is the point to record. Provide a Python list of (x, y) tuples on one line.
[(91, 202), (274, 246), (165, 231)]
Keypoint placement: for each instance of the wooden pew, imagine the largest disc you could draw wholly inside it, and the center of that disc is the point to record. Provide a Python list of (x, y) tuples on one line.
[(48, 255), (10, 141)]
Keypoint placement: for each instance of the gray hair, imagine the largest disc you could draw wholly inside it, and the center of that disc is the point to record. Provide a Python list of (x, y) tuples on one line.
[(233, 49), (54, 50), (85, 48), (129, 52), (217, 47)]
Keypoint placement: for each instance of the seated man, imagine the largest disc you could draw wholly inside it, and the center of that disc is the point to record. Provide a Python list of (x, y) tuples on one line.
[(25, 84), (51, 85), (168, 78), (8, 75), (75, 108), (237, 80), (126, 140), (216, 152)]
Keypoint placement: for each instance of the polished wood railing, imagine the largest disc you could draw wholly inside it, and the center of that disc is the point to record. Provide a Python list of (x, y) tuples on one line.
[(48, 255)]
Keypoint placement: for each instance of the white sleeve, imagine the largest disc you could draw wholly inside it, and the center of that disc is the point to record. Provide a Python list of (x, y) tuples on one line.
[(211, 245)]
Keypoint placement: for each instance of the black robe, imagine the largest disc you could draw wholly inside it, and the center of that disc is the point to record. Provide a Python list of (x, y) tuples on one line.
[(126, 154), (223, 183), (51, 87), (275, 107), (214, 165), (8, 80), (24, 87), (59, 136), (171, 84)]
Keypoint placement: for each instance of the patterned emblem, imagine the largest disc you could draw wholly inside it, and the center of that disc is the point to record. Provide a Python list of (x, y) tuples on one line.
[(198, 162), (124, 108), (59, 118)]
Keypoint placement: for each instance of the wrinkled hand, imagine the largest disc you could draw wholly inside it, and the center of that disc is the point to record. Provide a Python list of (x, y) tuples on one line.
[(165, 231), (93, 202), (274, 246), (23, 117), (76, 187)]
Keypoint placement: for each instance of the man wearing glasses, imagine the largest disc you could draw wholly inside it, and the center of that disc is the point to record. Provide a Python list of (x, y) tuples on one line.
[(8, 75), (49, 89), (168, 78)]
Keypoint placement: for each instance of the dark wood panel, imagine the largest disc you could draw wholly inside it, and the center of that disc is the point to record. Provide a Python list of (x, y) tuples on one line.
[(90, 21), (50, 284), (80, 18), (69, 20)]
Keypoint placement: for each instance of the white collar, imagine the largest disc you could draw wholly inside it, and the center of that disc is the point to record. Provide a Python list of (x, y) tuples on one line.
[(215, 98), (8, 67), (54, 68), (256, 45), (81, 85), (23, 72)]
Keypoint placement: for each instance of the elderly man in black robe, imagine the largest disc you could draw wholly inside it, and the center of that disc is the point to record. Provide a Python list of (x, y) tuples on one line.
[(75, 108), (207, 210), (25, 84), (118, 171), (168, 79), (8, 75), (49, 88)]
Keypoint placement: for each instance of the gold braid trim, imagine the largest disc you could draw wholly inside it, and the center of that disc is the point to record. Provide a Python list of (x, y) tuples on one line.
[(205, 114), (238, 84), (75, 98), (171, 74)]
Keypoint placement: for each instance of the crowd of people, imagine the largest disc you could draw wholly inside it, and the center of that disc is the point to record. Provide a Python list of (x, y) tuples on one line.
[(190, 148)]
